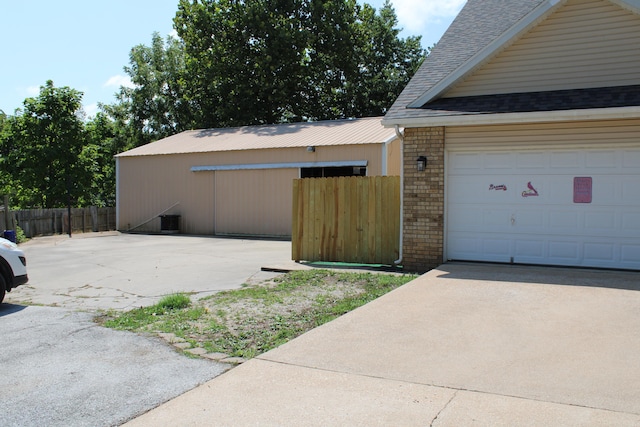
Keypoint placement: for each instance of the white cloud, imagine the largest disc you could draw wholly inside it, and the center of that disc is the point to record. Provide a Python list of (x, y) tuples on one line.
[(415, 15), (91, 110), (117, 81), (33, 91)]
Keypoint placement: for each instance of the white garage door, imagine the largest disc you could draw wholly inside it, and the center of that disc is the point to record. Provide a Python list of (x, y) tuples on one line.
[(557, 207)]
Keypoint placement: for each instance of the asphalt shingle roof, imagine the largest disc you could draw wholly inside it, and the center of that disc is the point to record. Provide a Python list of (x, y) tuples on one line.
[(478, 24), (573, 99)]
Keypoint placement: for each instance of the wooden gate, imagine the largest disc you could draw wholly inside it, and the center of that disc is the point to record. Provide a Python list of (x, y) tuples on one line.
[(346, 219)]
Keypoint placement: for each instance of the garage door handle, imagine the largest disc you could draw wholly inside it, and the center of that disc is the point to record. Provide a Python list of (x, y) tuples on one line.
[(513, 219)]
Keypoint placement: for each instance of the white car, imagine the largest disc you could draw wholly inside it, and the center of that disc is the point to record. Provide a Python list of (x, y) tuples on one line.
[(13, 267)]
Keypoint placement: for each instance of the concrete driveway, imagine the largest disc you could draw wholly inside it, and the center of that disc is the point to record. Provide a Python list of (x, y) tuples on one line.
[(465, 344), (120, 271)]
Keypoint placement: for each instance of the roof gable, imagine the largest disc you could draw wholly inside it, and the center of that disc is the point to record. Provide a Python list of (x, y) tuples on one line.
[(520, 27), (582, 44), (481, 32)]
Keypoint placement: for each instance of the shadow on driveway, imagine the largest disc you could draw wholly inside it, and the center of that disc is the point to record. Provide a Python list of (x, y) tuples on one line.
[(564, 276)]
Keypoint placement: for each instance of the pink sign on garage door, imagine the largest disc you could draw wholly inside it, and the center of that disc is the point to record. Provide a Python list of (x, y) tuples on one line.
[(582, 189)]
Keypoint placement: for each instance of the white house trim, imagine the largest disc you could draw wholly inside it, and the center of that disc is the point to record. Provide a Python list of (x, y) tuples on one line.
[(510, 118), (295, 165)]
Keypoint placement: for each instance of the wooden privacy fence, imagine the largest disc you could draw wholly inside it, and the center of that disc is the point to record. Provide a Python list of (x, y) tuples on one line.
[(346, 219), (42, 222)]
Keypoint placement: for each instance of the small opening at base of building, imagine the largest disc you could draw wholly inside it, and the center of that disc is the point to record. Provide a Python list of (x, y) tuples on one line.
[(333, 171)]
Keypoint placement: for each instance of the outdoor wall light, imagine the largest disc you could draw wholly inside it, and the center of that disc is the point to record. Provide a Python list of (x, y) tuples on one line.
[(311, 149), (422, 163)]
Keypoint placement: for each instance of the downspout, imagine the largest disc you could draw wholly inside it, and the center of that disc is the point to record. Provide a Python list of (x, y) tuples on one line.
[(401, 137)]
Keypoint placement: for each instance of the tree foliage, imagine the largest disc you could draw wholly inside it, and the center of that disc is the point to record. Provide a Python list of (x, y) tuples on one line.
[(50, 156), (156, 106), (45, 148), (271, 61), (266, 61)]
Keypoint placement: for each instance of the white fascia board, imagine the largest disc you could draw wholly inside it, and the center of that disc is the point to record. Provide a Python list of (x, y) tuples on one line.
[(389, 140), (520, 27), (261, 166), (516, 118)]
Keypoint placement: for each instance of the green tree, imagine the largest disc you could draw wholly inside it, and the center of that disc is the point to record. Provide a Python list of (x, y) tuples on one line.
[(386, 62), (261, 62), (245, 60), (270, 61), (105, 139), (46, 149), (156, 105)]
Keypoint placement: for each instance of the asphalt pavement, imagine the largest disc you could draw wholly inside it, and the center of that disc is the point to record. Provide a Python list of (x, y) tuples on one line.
[(60, 368)]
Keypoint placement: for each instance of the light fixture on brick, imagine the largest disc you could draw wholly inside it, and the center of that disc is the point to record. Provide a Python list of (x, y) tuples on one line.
[(422, 163)]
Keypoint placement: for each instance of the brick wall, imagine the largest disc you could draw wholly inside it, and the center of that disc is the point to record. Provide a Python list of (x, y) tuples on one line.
[(423, 199)]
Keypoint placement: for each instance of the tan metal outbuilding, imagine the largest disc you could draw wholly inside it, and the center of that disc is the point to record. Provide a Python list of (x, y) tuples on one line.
[(238, 181)]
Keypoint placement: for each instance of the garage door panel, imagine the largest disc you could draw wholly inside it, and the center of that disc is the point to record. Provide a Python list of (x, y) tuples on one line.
[(601, 159), (603, 222), (630, 191), (469, 189), (525, 210), (530, 251), (630, 160), (566, 251), (532, 161), (533, 220), (631, 223), (599, 252), (630, 256), (566, 160), (565, 222), (498, 162), (480, 248)]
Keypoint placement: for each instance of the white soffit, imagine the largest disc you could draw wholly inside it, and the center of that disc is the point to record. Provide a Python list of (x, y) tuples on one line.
[(526, 117), (296, 165)]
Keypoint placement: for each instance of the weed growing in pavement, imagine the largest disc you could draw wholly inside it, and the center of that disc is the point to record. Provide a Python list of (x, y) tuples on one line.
[(251, 320)]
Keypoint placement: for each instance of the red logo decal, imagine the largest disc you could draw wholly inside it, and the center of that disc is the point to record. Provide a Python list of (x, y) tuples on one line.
[(531, 192), (500, 187)]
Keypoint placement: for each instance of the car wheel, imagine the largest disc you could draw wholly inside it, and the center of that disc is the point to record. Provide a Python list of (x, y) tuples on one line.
[(3, 286)]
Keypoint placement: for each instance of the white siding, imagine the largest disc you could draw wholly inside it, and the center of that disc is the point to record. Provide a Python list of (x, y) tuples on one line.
[(585, 44)]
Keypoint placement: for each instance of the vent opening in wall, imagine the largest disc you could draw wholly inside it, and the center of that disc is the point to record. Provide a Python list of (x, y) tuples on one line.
[(333, 171)]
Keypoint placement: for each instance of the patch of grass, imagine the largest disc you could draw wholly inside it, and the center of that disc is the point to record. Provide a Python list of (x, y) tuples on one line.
[(251, 320), (174, 302)]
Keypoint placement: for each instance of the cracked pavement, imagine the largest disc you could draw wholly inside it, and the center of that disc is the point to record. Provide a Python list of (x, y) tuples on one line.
[(62, 369), (95, 271)]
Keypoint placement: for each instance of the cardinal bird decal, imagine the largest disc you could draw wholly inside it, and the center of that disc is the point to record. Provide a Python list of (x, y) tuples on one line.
[(530, 192)]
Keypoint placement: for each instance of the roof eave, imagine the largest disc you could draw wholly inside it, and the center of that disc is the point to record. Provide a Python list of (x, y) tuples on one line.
[(517, 118)]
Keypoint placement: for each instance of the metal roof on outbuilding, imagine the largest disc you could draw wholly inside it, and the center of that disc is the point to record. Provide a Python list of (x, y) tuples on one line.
[(323, 133)]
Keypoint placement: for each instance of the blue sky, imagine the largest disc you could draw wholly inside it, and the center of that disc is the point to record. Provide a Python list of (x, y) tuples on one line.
[(85, 44)]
